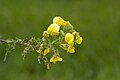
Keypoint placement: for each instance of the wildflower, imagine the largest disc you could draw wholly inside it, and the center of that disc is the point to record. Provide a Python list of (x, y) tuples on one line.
[(46, 51), (71, 49), (55, 58), (78, 39), (53, 29), (69, 38), (61, 22), (58, 20)]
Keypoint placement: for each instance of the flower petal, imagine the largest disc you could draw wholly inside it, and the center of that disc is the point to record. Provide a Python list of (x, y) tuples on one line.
[(69, 38)]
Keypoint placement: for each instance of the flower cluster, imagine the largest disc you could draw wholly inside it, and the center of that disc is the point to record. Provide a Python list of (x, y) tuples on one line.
[(60, 33)]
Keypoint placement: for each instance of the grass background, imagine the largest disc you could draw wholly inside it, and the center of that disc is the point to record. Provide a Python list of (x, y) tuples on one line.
[(98, 21)]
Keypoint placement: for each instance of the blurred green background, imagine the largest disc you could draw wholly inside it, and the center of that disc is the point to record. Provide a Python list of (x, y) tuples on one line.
[(98, 21)]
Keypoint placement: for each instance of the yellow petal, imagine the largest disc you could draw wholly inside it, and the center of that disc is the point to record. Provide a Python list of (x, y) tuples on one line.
[(53, 29), (66, 23), (58, 20), (59, 59), (52, 59), (70, 41), (55, 59), (61, 22), (46, 51), (71, 49), (79, 40), (69, 38)]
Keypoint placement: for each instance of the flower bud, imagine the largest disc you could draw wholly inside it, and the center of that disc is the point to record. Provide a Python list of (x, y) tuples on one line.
[(45, 34)]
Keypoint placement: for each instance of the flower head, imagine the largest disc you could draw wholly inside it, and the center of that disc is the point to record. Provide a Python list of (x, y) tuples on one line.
[(53, 29), (69, 38), (55, 58)]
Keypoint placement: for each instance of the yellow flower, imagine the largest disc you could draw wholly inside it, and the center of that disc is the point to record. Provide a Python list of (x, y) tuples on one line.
[(63, 46), (71, 49), (58, 20), (78, 39), (46, 51), (53, 29), (61, 22), (69, 38), (39, 51), (55, 58)]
